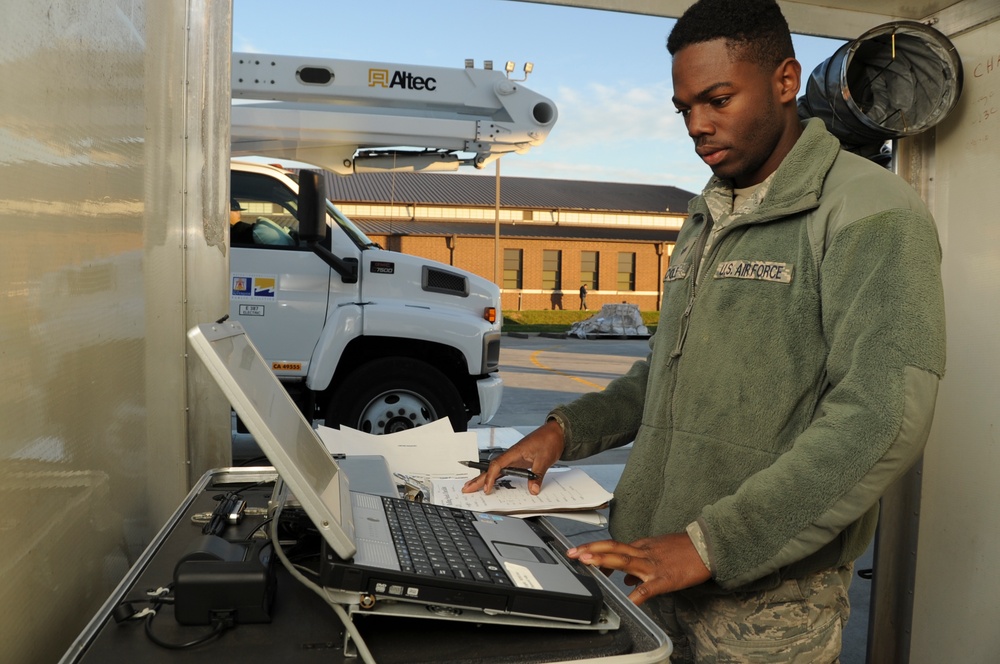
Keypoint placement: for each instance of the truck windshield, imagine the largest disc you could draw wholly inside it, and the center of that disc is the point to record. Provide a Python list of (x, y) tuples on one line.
[(356, 234)]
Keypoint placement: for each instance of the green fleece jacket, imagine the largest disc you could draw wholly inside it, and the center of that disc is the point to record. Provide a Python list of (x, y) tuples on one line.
[(790, 383)]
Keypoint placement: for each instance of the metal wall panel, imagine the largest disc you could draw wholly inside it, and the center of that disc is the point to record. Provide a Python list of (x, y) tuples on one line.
[(94, 167), (957, 590)]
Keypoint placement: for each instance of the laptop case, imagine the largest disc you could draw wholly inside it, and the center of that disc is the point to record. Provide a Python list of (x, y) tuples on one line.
[(532, 577)]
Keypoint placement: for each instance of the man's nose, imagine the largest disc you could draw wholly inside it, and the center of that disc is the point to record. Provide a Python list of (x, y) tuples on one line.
[(698, 123)]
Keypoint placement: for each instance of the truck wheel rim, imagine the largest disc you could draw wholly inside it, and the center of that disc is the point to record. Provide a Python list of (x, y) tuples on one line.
[(395, 411)]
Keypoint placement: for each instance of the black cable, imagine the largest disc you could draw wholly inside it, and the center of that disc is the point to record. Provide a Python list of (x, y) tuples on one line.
[(253, 461), (220, 516), (259, 526), (125, 611), (220, 627), (236, 492), (227, 501)]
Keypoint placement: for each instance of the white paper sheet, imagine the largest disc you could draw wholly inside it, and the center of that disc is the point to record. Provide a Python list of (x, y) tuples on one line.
[(430, 450), (563, 489)]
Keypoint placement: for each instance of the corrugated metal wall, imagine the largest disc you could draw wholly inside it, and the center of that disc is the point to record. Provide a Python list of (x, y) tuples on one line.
[(113, 170)]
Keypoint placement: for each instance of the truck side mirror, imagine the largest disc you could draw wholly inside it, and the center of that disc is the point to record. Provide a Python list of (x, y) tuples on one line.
[(312, 224), (312, 206)]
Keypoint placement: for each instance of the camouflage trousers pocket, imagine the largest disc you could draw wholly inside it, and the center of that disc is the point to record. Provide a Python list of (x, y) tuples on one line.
[(799, 622), (820, 645)]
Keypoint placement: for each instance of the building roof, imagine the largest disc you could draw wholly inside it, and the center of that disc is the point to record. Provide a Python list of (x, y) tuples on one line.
[(521, 193), (514, 230)]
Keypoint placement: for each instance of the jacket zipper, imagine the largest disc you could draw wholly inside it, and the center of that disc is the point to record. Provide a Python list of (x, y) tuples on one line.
[(696, 264)]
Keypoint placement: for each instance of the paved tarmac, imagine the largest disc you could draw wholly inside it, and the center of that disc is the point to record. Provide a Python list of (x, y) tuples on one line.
[(541, 372)]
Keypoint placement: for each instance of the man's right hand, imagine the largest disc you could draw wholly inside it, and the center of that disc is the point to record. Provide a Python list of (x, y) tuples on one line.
[(537, 451)]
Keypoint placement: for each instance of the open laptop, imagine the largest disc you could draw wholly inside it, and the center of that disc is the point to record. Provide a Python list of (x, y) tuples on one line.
[(528, 576)]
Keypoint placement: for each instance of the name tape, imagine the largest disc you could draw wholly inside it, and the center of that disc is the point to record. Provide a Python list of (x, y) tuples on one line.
[(760, 270)]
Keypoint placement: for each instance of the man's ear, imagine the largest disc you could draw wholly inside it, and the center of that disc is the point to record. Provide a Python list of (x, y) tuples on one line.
[(787, 80)]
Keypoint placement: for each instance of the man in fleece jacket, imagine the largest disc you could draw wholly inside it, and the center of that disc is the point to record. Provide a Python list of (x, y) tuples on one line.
[(792, 377)]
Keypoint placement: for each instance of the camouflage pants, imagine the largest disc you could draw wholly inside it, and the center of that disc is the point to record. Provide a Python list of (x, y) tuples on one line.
[(800, 622)]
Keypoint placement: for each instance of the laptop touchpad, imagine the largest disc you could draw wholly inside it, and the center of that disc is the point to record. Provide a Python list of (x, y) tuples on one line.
[(531, 554)]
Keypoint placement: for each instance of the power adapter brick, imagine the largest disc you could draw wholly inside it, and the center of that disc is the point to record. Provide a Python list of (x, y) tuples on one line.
[(218, 580)]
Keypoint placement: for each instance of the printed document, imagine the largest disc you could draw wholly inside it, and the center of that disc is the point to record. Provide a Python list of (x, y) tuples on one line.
[(563, 490)]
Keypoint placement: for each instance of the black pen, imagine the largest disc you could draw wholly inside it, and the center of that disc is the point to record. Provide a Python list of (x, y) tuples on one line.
[(510, 470)]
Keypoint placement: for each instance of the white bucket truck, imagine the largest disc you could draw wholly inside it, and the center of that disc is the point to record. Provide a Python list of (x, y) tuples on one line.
[(372, 339)]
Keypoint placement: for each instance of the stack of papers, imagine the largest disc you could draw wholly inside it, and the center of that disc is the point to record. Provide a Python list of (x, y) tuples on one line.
[(433, 450), (430, 456)]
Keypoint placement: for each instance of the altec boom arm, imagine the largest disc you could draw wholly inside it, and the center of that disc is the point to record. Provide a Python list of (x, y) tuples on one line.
[(348, 116)]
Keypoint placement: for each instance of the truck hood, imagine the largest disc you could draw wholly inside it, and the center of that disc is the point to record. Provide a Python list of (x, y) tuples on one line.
[(390, 276)]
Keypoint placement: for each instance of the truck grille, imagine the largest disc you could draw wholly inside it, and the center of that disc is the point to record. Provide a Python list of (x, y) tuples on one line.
[(437, 280)]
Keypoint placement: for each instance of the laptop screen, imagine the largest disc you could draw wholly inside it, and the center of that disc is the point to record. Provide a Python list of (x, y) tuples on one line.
[(283, 434)]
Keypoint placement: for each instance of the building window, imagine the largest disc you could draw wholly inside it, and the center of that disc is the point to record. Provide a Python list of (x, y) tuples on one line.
[(626, 271), (551, 269), (512, 268), (589, 270)]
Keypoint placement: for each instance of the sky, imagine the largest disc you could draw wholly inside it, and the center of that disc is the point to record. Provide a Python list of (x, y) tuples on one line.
[(607, 72)]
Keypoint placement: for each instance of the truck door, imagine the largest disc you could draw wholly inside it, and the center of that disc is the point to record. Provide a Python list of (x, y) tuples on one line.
[(279, 290)]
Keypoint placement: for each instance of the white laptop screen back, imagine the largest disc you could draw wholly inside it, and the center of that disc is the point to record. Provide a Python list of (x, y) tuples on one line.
[(283, 434)]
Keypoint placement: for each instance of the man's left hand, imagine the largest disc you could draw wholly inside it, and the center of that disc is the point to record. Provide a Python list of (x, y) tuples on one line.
[(654, 565)]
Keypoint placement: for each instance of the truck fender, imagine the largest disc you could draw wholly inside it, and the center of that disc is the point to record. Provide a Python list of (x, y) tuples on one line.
[(343, 325), (455, 329)]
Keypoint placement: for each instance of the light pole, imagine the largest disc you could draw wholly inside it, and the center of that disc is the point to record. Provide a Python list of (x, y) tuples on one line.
[(496, 228)]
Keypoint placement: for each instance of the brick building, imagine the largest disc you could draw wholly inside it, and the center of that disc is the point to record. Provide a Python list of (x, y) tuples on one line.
[(552, 235)]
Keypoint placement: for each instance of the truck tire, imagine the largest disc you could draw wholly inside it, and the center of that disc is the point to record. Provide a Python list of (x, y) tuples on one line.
[(393, 394)]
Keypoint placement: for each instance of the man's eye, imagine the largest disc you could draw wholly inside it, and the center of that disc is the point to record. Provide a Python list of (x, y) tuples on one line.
[(682, 111), (720, 101)]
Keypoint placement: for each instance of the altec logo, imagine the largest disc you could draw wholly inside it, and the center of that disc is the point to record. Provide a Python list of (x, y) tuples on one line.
[(400, 79)]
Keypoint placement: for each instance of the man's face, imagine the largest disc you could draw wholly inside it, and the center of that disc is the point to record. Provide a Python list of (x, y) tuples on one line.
[(733, 110)]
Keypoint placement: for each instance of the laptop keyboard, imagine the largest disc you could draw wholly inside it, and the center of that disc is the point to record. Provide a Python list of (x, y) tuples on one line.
[(434, 540)]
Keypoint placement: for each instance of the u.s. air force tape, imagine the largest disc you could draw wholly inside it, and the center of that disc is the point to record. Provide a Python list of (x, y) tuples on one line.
[(760, 270)]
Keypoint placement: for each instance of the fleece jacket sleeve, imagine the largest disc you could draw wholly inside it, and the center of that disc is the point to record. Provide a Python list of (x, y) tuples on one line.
[(610, 418), (883, 319)]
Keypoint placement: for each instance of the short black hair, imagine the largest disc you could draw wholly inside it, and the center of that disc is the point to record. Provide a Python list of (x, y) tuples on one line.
[(756, 30)]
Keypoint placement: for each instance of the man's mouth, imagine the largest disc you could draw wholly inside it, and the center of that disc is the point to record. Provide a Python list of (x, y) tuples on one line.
[(711, 154)]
